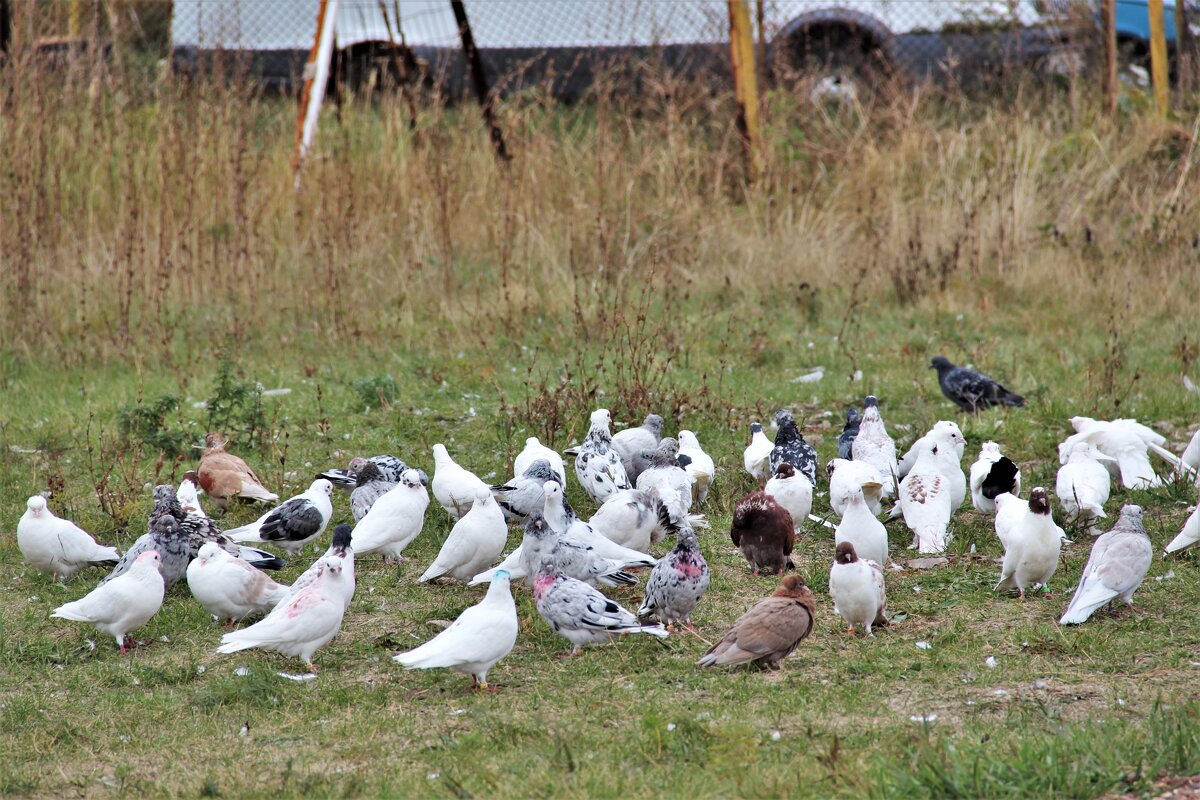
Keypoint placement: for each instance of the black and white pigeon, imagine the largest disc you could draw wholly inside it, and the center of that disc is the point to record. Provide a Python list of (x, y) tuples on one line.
[(791, 447), (390, 467), (849, 432), (993, 475), (634, 519), (971, 391), (578, 612), (370, 485), (598, 465), (294, 523), (677, 582), (521, 496), (169, 540), (543, 544), (632, 445), (202, 529)]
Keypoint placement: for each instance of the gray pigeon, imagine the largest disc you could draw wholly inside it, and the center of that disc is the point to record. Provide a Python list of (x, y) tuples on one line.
[(849, 432), (370, 485), (971, 391), (542, 544), (172, 545), (201, 529), (632, 444), (677, 583), (664, 473), (524, 494), (581, 614), (1116, 568)]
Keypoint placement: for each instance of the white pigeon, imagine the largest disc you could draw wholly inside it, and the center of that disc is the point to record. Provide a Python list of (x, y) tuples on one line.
[(1125, 440), (950, 464), (701, 468), (856, 586), (532, 452), (122, 605), (1190, 460), (910, 457), (1084, 483), (1032, 547), (57, 546), (846, 476), (303, 623), (633, 445), (482, 635), (1188, 536), (580, 613), (188, 495), (568, 526), (340, 547), (874, 446), (476, 541), (792, 490), (395, 519), (1010, 509), (634, 519), (1116, 568), (663, 473), (453, 487), (757, 458), (992, 474), (598, 465), (863, 530), (294, 523), (925, 502), (228, 587)]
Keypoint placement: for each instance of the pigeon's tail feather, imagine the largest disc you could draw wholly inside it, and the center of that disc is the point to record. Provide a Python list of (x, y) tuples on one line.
[(618, 578), (653, 630), (234, 641), (246, 533), (436, 571), (571, 451), (1187, 537), (1094, 509), (665, 521), (252, 491), (1007, 398), (502, 487), (72, 612), (338, 477), (105, 557), (260, 559), (698, 521), (931, 539), (1084, 605)]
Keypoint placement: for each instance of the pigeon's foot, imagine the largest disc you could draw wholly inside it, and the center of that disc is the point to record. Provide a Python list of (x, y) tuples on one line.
[(569, 654), (851, 630), (311, 667)]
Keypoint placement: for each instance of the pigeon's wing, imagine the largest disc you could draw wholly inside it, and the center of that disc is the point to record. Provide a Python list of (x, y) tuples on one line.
[(363, 497), (1125, 563), (295, 520), (1188, 536), (773, 625), (144, 542), (591, 609)]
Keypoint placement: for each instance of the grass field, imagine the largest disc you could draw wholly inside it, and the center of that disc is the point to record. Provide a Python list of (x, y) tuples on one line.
[(150, 252)]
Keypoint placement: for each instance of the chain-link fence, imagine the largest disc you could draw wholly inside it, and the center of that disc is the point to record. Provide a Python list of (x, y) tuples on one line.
[(562, 46)]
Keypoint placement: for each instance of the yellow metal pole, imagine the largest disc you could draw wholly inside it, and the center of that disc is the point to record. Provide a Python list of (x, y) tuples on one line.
[(741, 50), (1158, 56), (73, 19)]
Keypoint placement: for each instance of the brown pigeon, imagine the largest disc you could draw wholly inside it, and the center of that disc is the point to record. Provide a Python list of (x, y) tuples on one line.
[(769, 631), (763, 530), (224, 476)]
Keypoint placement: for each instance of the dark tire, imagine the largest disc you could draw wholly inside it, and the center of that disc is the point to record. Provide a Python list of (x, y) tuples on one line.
[(376, 69), (837, 62)]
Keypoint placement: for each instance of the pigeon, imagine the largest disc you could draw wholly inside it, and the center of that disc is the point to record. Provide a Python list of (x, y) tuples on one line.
[(535, 450), (395, 519), (950, 465), (294, 523), (769, 631), (1010, 510), (1084, 483), (856, 586), (845, 477), (370, 485), (874, 446), (970, 390), (1116, 568), (188, 495), (991, 475), (124, 604), (862, 529), (453, 487), (762, 529), (229, 588), (542, 543), (672, 481), (304, 622), (57, 546), (925, 503), (598, 465), (223, 476), (701, 469), (172, 547), (482, 635), (200, 529), (523, 495), (476, 541), (1126, 441), (677, 582), (791, 447), (1190, 460), (580, 613), (632, 444), (1188, 536), (390, 467), (567, 525), (910, 457), (341, 547), (793, 491), (1032, 547), (634, 519), (757, 458), (849, 434)]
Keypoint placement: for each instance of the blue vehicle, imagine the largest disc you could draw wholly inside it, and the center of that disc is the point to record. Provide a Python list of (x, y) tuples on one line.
[(1133, 28)]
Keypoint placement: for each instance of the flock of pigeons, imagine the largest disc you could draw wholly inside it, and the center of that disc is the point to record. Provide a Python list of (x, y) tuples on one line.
[(646, 487)]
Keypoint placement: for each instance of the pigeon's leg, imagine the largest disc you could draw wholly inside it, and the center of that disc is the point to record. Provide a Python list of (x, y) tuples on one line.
[(754, 572), (851, 630), (311, 667), (571, 653), (1021, 593)]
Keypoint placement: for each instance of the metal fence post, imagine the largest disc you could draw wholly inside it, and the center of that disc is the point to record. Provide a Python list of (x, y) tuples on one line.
[(1158, 56), (479, 78), (316, 75), (741, 49), (1184, 57)]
